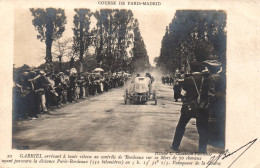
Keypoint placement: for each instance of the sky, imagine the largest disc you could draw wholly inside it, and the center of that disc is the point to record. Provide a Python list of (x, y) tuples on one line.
[(29, 50)]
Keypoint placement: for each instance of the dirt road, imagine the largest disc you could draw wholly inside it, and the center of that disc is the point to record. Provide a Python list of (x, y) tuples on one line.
[(105, 123)]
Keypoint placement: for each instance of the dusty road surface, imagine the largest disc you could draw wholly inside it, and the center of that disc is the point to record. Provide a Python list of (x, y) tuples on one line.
[(105, 123)]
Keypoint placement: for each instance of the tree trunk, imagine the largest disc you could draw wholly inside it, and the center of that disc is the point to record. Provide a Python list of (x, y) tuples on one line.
[(48, 57), (71, 62), (60, 64), (48, 42), (81, 46), (100, 48)]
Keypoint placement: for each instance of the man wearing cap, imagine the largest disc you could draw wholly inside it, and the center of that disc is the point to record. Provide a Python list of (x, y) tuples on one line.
[(59, 87), (73, 86), (40, 86), (21, 95), (193, 85), (82, 86), (216, 103)]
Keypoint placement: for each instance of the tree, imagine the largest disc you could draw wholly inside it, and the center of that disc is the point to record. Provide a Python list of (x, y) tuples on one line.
[(82, 34), (166, 60), (101, 17), (124, 20), (193, 35), (140, 60), (113, 32), (50, 24), (61, 50), (106, 32)]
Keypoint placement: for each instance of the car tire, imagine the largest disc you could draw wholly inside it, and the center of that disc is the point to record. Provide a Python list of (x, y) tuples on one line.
[(155, 97)]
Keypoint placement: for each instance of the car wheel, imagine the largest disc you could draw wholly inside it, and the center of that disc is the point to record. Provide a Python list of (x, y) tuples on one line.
[(155, 97)]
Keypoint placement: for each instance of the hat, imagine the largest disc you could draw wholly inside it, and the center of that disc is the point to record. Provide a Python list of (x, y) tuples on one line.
[(213, 63), (148, 74), (42, 73), (25, 73)]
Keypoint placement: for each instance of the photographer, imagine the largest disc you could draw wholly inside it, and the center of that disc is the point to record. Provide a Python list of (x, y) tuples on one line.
[(194, 107)]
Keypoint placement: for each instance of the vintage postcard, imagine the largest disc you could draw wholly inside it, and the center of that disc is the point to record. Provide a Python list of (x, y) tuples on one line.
[(130, 83)]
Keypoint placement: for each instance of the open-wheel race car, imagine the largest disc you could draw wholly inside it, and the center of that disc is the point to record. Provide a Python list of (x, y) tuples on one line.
[(140, 90)]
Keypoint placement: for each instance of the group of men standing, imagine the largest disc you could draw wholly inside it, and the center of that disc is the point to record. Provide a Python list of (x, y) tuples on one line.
[(204, 99), (34, 92), (168, 79)]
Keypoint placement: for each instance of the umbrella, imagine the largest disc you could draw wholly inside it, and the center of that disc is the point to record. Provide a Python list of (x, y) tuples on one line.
[(73, 71), (99, 70)]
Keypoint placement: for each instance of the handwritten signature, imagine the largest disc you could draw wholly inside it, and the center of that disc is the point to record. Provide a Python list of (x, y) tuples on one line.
[(223, 155)]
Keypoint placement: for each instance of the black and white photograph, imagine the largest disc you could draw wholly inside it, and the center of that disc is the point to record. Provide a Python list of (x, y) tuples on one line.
[(134, 77), (94, 87)]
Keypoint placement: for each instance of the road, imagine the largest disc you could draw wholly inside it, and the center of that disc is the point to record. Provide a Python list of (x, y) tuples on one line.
[(103, 123)]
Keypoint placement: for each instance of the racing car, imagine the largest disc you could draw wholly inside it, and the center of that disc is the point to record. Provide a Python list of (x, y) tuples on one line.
[(140, 90)]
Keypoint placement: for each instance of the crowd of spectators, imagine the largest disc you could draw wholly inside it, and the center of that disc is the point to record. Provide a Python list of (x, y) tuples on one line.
[(36, 91)]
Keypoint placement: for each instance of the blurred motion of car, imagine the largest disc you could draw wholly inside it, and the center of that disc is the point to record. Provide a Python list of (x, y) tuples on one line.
[(140, 90)]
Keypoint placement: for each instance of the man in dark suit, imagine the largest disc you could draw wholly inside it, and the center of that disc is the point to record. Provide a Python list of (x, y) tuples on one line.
[(217, 102), (188, 112)]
